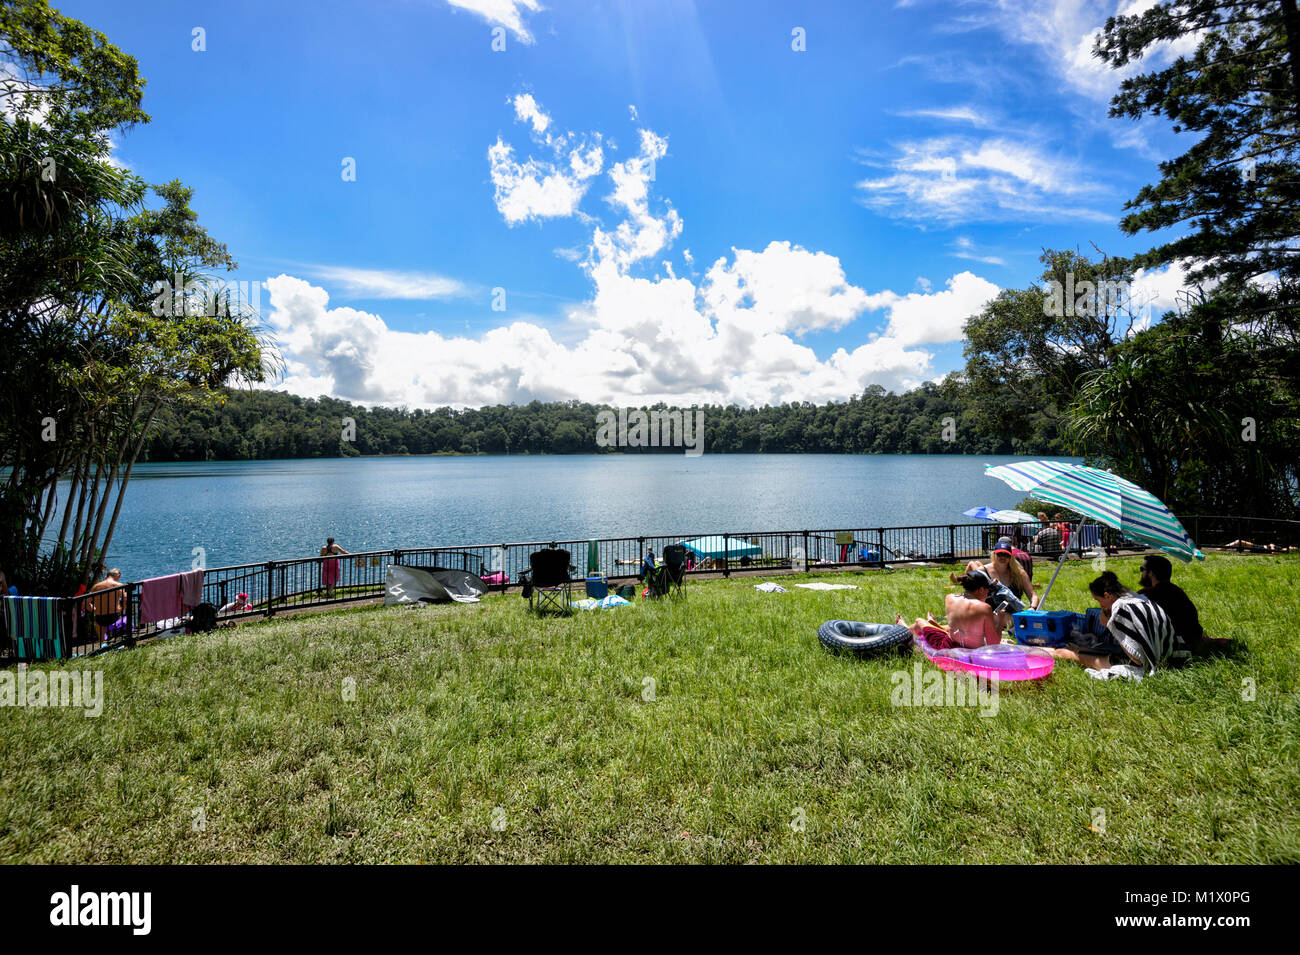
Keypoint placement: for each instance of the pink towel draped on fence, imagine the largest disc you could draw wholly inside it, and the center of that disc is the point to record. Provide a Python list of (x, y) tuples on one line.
[(160, 598)]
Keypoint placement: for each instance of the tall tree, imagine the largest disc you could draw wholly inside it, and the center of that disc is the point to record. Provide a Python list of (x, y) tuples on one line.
[(1028, 349), (1234, 196), (88, 357)]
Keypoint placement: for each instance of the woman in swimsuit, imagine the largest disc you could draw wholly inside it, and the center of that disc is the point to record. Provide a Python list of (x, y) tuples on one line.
[(1004, 569), (329, 569)]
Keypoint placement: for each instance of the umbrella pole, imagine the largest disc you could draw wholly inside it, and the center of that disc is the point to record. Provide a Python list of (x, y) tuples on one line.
[(1065, 552), (1042, 601)]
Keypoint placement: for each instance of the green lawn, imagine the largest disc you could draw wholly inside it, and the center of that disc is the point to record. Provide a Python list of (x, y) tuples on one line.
[(480, 734)]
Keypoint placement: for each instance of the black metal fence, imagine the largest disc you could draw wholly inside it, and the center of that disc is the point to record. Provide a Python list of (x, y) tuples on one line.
[(108, 619), (1243, 534)]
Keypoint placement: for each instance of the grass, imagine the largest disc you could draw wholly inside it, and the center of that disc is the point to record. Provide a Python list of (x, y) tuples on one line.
[(479, 734)]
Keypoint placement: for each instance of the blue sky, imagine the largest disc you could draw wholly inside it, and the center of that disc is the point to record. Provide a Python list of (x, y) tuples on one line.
[(664, 200)]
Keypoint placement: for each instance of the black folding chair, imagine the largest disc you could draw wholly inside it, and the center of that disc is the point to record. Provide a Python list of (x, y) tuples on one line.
[(674, 568), (547, 583)]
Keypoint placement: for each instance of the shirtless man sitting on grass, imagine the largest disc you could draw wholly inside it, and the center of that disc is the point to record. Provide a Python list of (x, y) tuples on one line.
[(971, 621)]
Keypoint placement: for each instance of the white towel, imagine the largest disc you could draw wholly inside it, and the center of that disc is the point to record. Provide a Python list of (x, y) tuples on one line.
[(1121, 671), (821, 586), (770, 588)]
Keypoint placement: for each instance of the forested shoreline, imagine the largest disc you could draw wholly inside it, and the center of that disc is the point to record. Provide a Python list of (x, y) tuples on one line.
[(260, 424)]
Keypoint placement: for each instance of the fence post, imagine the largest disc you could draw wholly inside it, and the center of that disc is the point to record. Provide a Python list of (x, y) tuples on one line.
[(806, 554), (952, 541), (270, 588), (726, 554)]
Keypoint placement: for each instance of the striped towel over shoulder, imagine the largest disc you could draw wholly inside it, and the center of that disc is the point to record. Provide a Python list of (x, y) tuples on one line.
[(1145, 632)]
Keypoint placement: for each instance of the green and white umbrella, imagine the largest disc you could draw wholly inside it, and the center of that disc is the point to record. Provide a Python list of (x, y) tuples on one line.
[(1104, 497)]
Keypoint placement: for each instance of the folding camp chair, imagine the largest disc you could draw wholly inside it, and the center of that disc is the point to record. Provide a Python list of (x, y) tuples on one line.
[(674, 569), (547, 585), (1090, 536)]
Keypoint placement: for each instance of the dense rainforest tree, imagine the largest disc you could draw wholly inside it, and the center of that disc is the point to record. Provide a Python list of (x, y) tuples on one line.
[(1027, 349), (1203, 406), (1234, 196), (1206, 405), (88, 355), (253, 424)]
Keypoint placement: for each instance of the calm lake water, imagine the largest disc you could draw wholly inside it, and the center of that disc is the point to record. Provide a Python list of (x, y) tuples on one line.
[(248, 511)]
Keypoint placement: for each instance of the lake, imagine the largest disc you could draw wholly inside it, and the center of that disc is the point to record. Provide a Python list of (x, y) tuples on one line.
[(249, 511)]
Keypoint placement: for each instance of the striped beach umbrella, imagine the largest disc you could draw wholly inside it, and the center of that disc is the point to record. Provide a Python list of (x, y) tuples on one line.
[(1104, 497)]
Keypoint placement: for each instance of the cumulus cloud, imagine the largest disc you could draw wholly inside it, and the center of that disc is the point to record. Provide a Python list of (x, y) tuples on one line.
[(526, 109), (731, 335), (505, 13), (934, 317), (641, 234), (732, 339), (547, 188)]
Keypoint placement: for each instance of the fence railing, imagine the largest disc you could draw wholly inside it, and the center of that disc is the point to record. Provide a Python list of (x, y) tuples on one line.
[(1244, 534), (109, 619)]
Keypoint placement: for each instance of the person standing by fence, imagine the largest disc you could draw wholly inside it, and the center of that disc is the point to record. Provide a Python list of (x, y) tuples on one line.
[(109, 607), (329, 569)]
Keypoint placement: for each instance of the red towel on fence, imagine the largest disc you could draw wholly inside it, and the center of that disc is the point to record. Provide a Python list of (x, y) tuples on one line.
[(191, 589), (160, 598)]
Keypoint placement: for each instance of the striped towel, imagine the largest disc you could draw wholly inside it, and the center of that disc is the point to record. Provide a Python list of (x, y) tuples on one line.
[(36, 627)]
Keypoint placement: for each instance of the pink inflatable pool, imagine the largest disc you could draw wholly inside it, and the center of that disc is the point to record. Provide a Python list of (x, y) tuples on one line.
[(998, 661)]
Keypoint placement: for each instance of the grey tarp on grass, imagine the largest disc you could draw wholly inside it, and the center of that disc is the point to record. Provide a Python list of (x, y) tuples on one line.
[(411, 585)]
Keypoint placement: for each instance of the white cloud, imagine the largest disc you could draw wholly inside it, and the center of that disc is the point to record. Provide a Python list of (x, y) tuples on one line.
[(506, 13), (964, 248), (953, 178), (542, 188), (728, 336), (961, 114), (526, 109), (389, 283), (1155, 291), (731, 339), (641, 234), (535, 189), (934, 317), (1063, 33)]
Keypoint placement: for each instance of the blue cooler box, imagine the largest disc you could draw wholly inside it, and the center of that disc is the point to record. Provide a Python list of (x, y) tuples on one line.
[(1092, 621), (1045, 628)]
